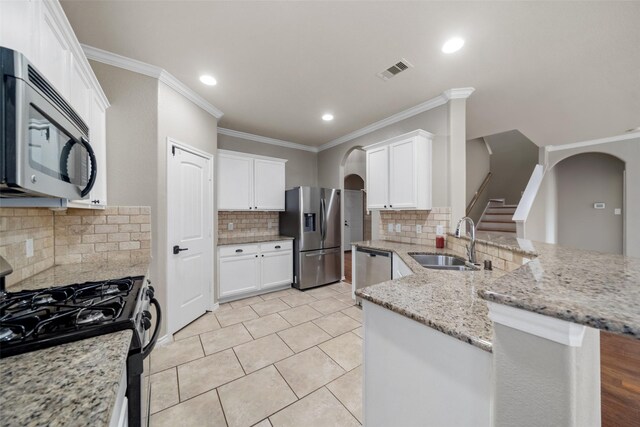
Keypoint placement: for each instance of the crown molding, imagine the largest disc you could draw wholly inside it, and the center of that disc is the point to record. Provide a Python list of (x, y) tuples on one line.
[(266, 140), (430, 104), (617, 138), (115, 60)]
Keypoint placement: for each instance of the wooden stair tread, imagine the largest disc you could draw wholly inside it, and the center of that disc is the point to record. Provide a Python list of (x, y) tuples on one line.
[(502, 230), (496, 222)]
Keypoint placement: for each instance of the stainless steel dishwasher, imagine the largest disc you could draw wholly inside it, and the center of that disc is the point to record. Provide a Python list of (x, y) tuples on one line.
[(372, 266)]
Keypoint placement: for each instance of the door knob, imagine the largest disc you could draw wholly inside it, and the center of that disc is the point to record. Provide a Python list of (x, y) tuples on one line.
[(177, 249)]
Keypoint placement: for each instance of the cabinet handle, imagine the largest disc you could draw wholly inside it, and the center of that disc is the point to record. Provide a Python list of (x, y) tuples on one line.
[(262, 256), (278, 247), (390, 206), (255, 207), (238, 251), (385, 206), (250, 207), (256, 256)]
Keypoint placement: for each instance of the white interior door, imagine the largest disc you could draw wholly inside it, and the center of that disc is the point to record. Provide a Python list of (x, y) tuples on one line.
[(190, 236), (353, 218)]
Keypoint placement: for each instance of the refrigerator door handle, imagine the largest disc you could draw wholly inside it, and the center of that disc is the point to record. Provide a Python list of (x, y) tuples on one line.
[(323, 219)]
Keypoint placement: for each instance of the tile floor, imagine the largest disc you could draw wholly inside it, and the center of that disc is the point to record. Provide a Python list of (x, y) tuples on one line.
[(287, 358)]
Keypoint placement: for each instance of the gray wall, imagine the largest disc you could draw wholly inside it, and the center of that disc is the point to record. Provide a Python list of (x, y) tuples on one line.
[(356, 164), (301, 167), (434, 121), (583, 180), (512, 162), (477, 169)]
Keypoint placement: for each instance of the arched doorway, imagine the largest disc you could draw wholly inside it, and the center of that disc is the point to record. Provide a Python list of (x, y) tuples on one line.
[(590, 194)]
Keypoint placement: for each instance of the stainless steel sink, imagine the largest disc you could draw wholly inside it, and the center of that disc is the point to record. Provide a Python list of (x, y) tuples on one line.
[(442, 262)]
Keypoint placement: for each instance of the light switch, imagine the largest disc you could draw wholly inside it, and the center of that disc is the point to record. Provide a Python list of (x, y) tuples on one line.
[(398, 228), (617, 211), (390, 228), (419, 229), (230, 226), (29, 246)]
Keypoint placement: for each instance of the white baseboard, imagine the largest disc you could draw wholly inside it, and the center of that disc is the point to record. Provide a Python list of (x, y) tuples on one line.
[(164, 340)]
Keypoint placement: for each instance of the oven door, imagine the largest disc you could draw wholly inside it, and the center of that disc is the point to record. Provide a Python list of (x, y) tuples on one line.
[(46, 154)]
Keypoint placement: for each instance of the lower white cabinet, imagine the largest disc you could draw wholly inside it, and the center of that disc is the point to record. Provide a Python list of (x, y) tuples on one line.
[(253, 268)]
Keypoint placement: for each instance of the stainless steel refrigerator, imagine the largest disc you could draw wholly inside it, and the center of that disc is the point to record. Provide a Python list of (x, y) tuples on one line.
[(312, 217)]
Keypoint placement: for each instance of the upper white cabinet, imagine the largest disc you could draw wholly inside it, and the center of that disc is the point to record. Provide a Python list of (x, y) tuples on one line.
[(399, 172), (248, 182), (40, 30)]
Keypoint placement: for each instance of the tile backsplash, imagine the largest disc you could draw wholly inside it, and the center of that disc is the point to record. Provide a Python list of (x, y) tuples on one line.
[(16, 227), (72, 236), (247, 224), (409, 222)]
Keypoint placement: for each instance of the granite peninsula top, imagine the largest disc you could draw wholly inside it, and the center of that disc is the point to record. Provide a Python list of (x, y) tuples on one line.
[(251, 239), (68, 274), (586, 287), (64, 385)]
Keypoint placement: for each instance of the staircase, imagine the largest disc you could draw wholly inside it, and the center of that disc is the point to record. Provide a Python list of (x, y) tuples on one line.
[(498, 217)]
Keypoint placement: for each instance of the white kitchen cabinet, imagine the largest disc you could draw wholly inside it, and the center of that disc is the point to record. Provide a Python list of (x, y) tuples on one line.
[(249, 183), (40, 30), (252, 269), (399, 172)]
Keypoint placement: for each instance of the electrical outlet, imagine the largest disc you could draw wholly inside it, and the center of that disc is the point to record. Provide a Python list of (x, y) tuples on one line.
[(419, 229), (439, 230), (617, 211), (29, 245), (398, 228), (390, 228), (230, 226)]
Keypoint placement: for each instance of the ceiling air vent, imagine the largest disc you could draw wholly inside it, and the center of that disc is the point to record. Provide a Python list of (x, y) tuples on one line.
[(395, 69)]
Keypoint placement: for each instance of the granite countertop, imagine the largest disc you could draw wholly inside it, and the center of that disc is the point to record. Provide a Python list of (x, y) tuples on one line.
[(590, 288), (69, 384), (60, 275), (251, 239), (447, 301)]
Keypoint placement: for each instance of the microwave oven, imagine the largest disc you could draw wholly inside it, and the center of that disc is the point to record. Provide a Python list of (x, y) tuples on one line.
[(45, 149)]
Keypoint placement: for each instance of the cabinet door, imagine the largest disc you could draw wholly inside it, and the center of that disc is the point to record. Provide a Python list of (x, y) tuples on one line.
[(18, 30), (80, 92), (239, 275), (378, 178), (403, 182), (269, 185), (98, 139), (235, 183), (54, 54), (277, 269)]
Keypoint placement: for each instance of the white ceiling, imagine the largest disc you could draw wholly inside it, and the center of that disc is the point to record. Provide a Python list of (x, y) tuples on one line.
[(559, 72)]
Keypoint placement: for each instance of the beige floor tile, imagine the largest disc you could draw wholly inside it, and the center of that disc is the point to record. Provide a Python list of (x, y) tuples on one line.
[(263, 423), (348, 389), (237, 315), (202, 411), (269, 307), (223, 307), (262, 352), (319, 409), (336, 323), (341, 287), (205, 323), (278, 294), (225, 338), (346, 298), (266, 325), (208, 373), (245, 302), (164, 390), (254, 397), (175, 354), (304, 336), (322, 292), (354, 312), (297, 299), (309, 370), (300, 314), (359, 332), (329, 305), (346, 350)]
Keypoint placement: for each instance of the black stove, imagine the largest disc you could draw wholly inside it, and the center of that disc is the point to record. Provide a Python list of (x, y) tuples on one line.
[(36, 319)]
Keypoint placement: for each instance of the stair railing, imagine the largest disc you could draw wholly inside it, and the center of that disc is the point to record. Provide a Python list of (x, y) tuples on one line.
[(476, 196)]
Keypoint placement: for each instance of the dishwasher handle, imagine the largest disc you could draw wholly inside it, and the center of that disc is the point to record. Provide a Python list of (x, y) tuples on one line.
[(374, 252)]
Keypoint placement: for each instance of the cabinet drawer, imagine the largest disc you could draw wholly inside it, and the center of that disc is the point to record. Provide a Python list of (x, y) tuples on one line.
[(238, 250), (285, 245)]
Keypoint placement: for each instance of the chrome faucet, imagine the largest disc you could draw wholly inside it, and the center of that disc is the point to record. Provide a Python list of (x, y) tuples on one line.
[(471, 247)]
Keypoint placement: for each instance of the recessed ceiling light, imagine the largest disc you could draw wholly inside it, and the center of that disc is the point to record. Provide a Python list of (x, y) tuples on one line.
[(327, 117), (208, 80), (453, 45)]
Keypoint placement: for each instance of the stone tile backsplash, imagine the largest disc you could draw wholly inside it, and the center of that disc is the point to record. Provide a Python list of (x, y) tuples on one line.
[(18, 225), (72, 236), (247, 224), (409, 220)]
